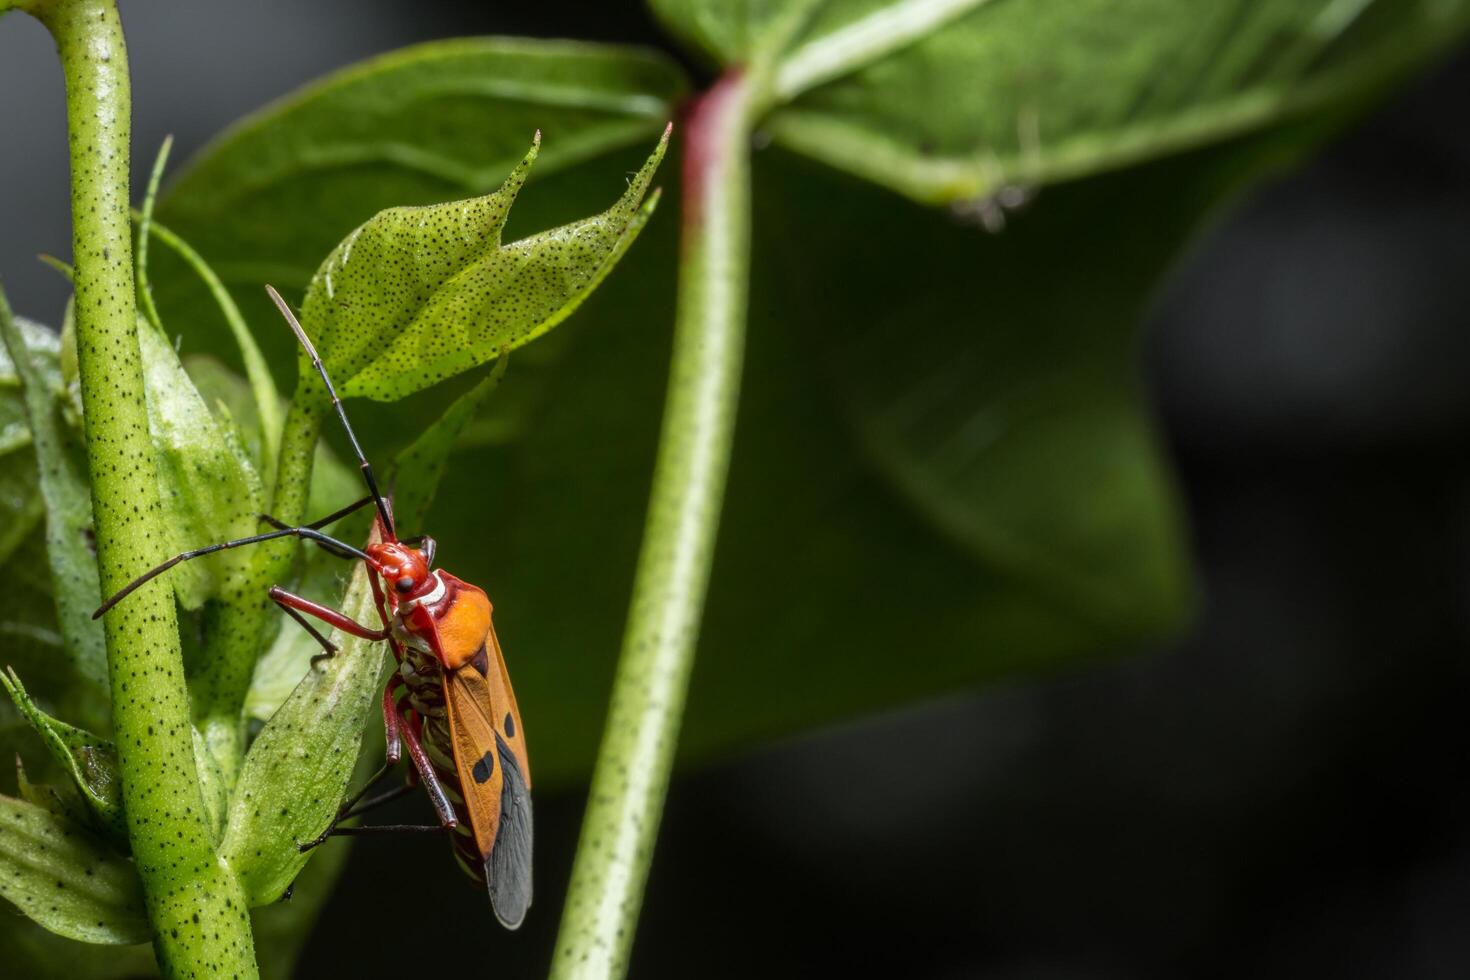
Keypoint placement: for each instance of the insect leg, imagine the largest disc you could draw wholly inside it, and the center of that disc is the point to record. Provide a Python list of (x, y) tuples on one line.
[(326, 614), (355, 807), (328, 647), (392, 724), (390, 828), (372, 803), (432, 786)]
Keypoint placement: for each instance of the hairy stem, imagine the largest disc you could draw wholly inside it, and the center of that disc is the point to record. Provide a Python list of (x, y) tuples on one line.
[(631, 779), (197, 910)]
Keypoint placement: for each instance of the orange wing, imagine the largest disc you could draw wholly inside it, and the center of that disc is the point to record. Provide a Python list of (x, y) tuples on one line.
[(494, 775)]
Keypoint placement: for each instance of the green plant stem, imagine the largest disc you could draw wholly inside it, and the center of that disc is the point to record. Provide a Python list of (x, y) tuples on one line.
[(196, 908), (632, 774)]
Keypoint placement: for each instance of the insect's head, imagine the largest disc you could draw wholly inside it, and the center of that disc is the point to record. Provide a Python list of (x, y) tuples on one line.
[(404, 568)]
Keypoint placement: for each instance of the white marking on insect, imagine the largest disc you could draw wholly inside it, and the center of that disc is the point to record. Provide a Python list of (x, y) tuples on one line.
[(429, 598)]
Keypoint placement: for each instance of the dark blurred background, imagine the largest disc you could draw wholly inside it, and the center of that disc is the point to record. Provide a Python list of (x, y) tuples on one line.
[(1281, 792)]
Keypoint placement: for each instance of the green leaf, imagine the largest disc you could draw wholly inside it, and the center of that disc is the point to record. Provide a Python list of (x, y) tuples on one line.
[(63, 879), (208, 488), (875, 547), (1036, 93), (296, 772), (89, 760), (1003, 400), (428, 123), (64, 490), (419, 294), (736, 32), (27, 950), (419, 468), (29, 634), (21, 504)]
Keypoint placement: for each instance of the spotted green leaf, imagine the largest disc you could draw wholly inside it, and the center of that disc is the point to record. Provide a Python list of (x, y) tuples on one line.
[(419, 294), (21, 504), (65, 880), (431, 122)]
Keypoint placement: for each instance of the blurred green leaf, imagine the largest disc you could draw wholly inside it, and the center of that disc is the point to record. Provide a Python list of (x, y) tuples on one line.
[(1018, 428), (64, 490), (30, 637), (1035, 93), (27, 950), (420, 294), (21, 505), (287, 657), (208, 488), (90, 761), (419, 468), (66, 881)]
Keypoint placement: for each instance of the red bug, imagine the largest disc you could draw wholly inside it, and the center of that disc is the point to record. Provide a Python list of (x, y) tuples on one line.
[(450, 701)]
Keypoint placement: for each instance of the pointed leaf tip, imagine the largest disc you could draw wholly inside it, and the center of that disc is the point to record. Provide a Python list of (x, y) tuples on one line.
[(417, 295)]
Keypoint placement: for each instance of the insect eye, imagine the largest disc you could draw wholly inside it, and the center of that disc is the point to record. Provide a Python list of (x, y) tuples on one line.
[(404, 584)]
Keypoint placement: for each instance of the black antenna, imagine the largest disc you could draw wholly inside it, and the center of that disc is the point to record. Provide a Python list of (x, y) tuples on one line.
[(340, 548), (367, 468)]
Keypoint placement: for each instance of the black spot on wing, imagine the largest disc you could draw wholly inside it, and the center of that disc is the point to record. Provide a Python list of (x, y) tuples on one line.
[(508, 869), (510, 726), (485, 768), (481, 661)]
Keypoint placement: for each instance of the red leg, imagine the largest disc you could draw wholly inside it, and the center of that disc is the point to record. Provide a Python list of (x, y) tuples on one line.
[(382, 606), (432, 785), (329, 649), (378, 599), (326, 614), (391, 724)]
